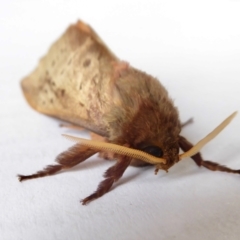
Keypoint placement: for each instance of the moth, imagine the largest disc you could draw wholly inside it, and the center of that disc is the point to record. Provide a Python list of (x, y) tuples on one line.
[(129, 112)]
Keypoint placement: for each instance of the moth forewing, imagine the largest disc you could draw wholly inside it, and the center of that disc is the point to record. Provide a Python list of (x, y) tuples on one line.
[(70, 80)]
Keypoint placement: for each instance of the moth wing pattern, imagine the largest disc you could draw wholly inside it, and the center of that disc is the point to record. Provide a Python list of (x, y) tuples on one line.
[(71, 81)]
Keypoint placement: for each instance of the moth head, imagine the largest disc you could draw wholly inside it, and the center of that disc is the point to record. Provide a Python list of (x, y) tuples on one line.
[(152, 154), (148, 126), (169, 151)]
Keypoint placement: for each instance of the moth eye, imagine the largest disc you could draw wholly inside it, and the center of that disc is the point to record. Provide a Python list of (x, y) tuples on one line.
[(153, 150)]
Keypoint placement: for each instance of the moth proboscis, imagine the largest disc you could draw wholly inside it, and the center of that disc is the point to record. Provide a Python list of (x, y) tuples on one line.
[(129, 112)]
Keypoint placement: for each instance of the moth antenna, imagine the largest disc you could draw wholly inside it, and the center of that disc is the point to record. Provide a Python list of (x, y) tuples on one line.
[(110, 147), (195, 149)]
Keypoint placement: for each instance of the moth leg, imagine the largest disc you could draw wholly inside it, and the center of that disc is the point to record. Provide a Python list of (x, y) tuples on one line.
[(73, 156), (189, 121), (185, 145), (112, 175), (71, 126)]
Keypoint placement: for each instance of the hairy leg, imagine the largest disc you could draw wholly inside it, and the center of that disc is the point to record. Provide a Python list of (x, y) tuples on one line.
[(185, 145), (71, 126), (189, 121), (67, 159), (112, 175)]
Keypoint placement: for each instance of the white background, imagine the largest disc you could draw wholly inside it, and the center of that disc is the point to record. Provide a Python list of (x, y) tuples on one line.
[(193, 47)]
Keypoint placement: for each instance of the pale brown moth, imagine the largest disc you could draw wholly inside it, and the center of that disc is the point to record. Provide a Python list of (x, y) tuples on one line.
[(128, 111)]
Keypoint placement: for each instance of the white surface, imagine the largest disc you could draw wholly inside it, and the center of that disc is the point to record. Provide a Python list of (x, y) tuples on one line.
[(194, 48)]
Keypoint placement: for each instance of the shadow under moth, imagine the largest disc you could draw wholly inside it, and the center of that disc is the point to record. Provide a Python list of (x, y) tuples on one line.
[(129, 112)]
